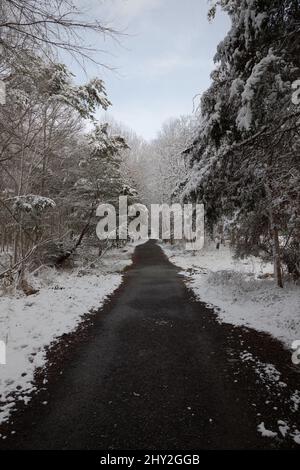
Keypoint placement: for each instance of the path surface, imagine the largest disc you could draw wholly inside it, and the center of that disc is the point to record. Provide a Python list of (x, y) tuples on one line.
[(153, 370)]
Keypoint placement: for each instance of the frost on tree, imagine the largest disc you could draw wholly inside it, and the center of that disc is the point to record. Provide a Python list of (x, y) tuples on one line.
[(245, 160)]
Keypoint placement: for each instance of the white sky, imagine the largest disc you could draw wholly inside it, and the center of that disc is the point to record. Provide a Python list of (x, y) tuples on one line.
[(164, 59)]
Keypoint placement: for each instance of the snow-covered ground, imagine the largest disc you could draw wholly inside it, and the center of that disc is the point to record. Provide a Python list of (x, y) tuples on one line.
[(271, 379), (28, 325), (241, 296)]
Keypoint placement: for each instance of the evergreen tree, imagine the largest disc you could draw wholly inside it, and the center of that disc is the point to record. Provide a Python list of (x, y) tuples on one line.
[(245, 161)]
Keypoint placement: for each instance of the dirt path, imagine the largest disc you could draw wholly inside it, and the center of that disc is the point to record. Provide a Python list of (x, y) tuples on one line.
[(155, 370)]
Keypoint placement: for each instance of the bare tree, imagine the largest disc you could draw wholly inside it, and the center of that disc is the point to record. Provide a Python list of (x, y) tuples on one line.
[(47, 26)]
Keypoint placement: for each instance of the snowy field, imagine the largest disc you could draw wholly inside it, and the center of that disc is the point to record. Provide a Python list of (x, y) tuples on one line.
[(241, 296), (28, 325)]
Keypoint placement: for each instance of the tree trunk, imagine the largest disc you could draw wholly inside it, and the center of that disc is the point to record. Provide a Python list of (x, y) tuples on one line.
[(275, 238), (69, 253), (276, 254)]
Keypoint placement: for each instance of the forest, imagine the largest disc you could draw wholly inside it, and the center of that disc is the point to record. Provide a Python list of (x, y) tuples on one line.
[(238, 154), (62, 154)]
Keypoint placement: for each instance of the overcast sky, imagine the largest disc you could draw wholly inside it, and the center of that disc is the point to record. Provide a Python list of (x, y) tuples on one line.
[(163, 62)]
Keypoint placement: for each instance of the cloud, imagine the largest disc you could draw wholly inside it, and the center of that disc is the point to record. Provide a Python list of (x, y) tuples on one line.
[(160, 66), (130, 9), (165, 65), (146, 122)]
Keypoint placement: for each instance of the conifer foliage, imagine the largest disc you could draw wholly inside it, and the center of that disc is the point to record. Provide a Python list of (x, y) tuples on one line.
[(245, 163)]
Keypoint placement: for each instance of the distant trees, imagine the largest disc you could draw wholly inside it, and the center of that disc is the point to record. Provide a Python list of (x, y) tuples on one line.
[(176, 135), (159, 166), (245, 161)]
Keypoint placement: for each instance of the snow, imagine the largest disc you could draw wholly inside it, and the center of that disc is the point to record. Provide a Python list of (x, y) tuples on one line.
[(242, 297), (259, 20), (32, 203), (244, 118), (267, 373), (236, 87), (297, 438), (283, 428), (265, 432), (295, 398), (28, 325)]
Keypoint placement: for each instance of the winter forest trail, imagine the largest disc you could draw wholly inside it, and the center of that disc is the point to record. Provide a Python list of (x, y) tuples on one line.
[(155, 370)]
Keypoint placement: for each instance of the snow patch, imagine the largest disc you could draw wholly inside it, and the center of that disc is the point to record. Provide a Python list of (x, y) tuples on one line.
[(265, 432), (243, 290), (28, 325)]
